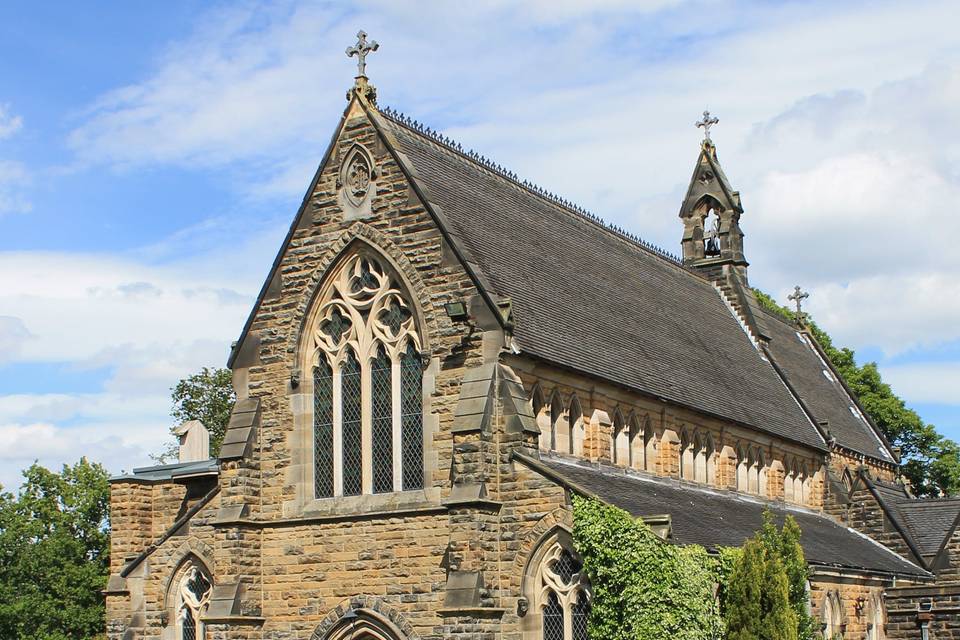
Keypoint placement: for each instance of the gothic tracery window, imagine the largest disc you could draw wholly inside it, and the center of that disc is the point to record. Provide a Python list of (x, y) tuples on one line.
[(367, 385), (563, 594), (193, 597)]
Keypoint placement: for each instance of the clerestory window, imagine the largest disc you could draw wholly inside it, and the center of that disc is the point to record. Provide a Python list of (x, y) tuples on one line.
[(367, 385)]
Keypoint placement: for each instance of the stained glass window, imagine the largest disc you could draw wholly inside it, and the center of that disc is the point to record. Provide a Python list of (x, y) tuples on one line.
[(351, 426), (411, 418), (381, 390), (323, 429), (553, 618)]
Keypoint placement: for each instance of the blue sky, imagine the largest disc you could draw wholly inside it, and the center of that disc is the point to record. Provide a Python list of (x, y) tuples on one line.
[(152, 155)]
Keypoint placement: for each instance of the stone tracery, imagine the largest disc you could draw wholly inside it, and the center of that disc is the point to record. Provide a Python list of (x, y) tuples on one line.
[(365, 352)]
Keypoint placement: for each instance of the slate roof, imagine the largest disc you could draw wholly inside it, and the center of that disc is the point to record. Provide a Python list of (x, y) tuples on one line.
[(714, 518), (930, 521), (819, 387), (590, 299)]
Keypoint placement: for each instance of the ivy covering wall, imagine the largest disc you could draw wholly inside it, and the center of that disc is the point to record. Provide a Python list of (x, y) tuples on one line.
[(645, 588)]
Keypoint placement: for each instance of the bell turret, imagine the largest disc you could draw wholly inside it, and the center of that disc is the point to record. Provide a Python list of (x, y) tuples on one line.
[(711, 211)]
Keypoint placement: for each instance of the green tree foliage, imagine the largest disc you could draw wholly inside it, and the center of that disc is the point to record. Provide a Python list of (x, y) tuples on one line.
[(206, 396), (766, 596), (930, 461), (54, 550), (644, 588)]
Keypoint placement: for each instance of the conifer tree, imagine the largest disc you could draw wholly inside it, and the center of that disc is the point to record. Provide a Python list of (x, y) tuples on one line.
[(779, 622), (743, 610)]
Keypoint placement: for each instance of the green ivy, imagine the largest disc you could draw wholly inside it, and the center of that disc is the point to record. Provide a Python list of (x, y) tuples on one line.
[(643, 587)]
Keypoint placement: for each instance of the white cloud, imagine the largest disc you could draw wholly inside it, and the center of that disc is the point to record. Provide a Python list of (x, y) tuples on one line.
[(52, 446), (836, 126), (934, 382)]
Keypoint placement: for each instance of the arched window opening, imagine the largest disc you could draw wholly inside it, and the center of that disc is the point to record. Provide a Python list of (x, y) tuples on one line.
[(542, 414), (621, 441), (191, 597), (711, 233), (831, 616), (699, 459), (805, 485), (557, 439), (743, 470), (686, 456), (847, 481), (788, 474), (636, 444), (753, 469), (367, 384), (762, 474), (875, 621), (710, 460), (561, 594), (575, 427), (649, 446)]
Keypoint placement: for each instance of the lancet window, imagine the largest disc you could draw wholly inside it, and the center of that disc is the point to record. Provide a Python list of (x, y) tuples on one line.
[(367, 384)]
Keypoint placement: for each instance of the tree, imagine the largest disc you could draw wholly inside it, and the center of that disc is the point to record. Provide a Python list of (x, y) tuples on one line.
[(743, 610), (206, 396), (766, 595), (930, 461), (54, 554)]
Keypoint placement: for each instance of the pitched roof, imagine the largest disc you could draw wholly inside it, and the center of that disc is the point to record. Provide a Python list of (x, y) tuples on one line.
[(715, 518), (931, 521), (589, 298), (820, 388)]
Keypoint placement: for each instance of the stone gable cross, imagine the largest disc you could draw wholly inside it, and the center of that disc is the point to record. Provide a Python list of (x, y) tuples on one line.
[(706, 123), (361, 49), (798, 296)]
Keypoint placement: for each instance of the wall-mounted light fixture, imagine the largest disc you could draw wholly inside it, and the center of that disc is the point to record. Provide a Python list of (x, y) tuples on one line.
[(456, 311)]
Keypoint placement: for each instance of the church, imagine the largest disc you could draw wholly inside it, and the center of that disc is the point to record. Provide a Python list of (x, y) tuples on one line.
[(441, 355)]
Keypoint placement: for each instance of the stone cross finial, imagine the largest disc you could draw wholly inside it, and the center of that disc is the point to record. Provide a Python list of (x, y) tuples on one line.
[(706, 123), (361, 49), (798, 296)]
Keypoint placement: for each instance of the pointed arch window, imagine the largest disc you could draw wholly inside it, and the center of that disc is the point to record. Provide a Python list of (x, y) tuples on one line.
[(621, 441), (563, 594), (367, 384), (191, 597), (556, 415)]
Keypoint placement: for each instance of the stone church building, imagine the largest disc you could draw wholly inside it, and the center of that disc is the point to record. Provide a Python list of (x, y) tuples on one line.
[(441, 354)]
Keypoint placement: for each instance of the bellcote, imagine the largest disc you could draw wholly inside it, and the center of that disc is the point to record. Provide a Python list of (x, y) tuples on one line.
[(710, 212)]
